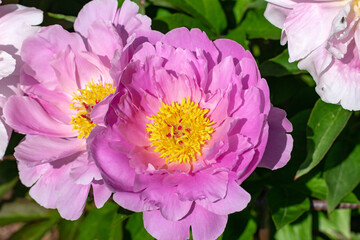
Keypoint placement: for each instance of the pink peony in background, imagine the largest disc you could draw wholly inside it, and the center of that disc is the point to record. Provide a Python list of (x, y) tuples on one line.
[(324, 36), (16, 24), (63, 77), (190, 120)]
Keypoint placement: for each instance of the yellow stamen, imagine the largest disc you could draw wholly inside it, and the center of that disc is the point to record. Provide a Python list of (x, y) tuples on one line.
[(179, 131), (83, 102)]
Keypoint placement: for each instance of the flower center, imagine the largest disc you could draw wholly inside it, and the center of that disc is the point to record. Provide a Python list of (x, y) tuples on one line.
[(84, 101), (179, 131)]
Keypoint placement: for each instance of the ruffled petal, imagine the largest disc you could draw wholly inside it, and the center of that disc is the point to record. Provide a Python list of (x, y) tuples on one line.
[(206, 225), (27, 116), (276, 14), (93, 11), (162, 229), (105, 152), (84, 171), (280, 143), (236, 199), (310, 20), (37, 149), (210, 186), (133, 201), (192, 40), (30, 174)]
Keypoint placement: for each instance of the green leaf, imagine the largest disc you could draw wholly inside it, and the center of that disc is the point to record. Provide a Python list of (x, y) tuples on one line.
[(350, 198), (325, 124), (102, 224), (337, 224), (279, 66), (135, 228), (240, 226), (238, 35), (35, 230), (299, 230), (23, 210), (62, 17), (318, 188), (240, 8), (341, 176), (286, 204), (68, 229), (177, 20), (208, 12), (256, 26)]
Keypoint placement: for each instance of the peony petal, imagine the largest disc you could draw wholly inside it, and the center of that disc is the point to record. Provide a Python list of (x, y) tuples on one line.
[(130, 20), (31, 150), (39, 50), (162, 229), (206, 225), (236, 199), (311, 20), (191, 40), (27, 116), (101, 193), (44, 190), (65, 69), (5, 132), (210, 186), (16, 22), (84, 171), (7, 64), (133, 202), (71, 197), (276, 14), (230, 48), (30, 174), (93, 11), (222, 75), (279, 146), (100, 32), (103, 153)]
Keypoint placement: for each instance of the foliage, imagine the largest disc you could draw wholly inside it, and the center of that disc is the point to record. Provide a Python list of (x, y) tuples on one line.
[(325, 163)]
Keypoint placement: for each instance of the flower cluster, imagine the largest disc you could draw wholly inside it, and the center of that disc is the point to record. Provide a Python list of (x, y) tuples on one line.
[(171, 124), (324, 36)]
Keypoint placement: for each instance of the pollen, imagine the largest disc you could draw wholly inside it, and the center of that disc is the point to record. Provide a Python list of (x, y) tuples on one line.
[(178, 132), (83, 102)]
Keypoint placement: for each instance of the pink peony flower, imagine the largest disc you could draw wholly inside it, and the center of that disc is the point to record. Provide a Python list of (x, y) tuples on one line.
[(63, 77), (324, 36), (189, 122), (16, 24)]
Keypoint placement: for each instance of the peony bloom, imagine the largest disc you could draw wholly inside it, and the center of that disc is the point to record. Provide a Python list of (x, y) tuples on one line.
[(190, 120), (324, 36), (16, 24), (64, 76)]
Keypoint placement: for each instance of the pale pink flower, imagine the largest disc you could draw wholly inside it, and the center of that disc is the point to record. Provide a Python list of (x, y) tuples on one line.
[(64, 75), (189, 122), (16, 24), (324, 36)]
